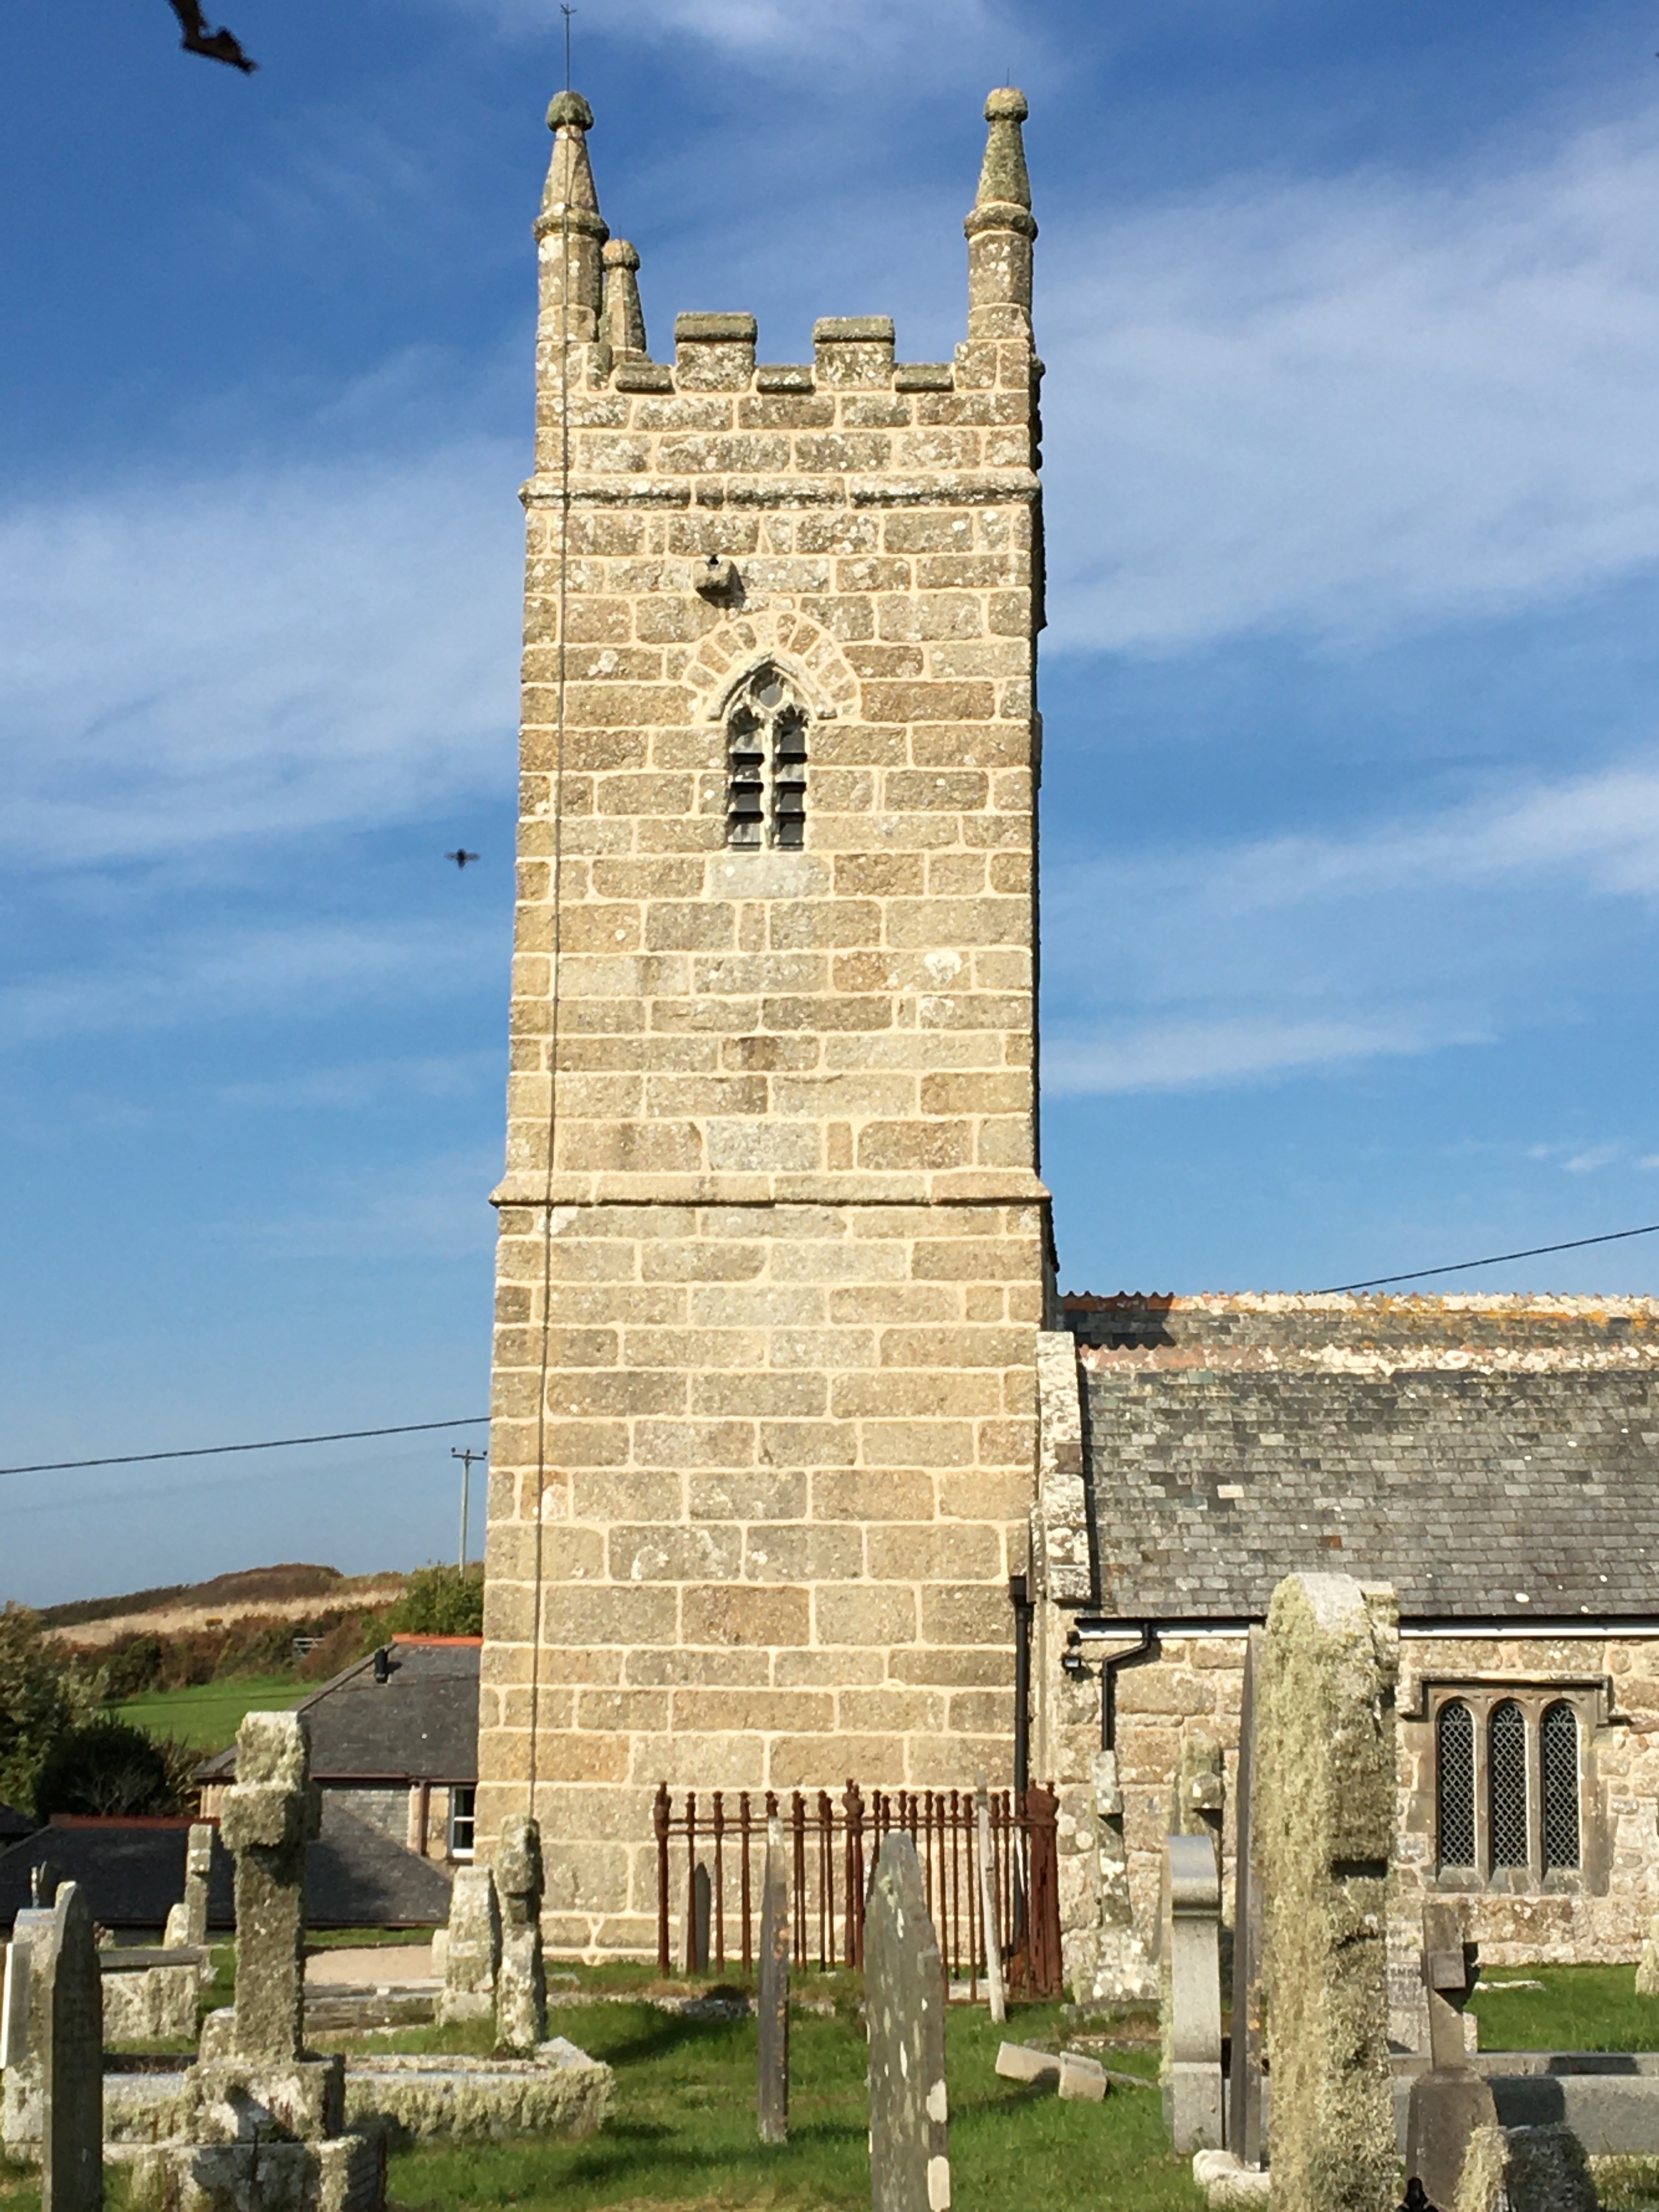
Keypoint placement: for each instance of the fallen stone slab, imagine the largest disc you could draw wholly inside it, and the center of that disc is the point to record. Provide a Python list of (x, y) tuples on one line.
[(1019, 2062), (1082, 2080), (1229, 2186)]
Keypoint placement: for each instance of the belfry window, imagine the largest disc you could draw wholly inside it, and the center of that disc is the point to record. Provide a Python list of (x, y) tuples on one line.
[(766, 764)]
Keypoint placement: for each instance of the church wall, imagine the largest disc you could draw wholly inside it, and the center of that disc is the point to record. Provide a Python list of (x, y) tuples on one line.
[(1192, 1685)]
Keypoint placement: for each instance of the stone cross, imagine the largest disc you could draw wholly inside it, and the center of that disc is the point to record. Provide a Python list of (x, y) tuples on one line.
[(521, 1984), (270, 1813), (1451, 2103), (69, 1994), (1192, 1971), (187, 1921), (904, 2002), (1325, 1791), (472, 1947), (1198, 1796), (774, 2005)]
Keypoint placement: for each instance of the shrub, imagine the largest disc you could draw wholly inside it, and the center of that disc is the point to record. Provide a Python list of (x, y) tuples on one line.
[(436, 1601), (106, 1767), (43, 1694)]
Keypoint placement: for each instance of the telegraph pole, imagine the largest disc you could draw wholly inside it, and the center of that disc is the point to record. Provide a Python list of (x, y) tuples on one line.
[(466, 1459)]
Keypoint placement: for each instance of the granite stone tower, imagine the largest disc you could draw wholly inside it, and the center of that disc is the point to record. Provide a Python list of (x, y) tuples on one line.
[(772, 1243)]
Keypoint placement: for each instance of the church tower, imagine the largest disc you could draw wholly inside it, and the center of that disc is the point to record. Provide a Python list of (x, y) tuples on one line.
[(772, 1242)]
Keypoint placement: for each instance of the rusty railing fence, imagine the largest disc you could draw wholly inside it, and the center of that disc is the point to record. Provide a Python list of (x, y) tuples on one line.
[(833, 1844)]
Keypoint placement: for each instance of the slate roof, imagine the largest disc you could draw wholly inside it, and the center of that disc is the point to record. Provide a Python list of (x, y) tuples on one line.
[(13, 1823), (133, 1871), (420, 1725), (1491, 1458)]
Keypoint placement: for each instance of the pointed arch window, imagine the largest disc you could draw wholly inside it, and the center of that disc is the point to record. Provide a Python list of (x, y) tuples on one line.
[(1506, 1783), (766, 764), (1455, 1783), (1557, 1736)]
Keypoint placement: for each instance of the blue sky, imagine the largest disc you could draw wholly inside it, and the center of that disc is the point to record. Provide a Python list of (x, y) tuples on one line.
[(1352, 689)]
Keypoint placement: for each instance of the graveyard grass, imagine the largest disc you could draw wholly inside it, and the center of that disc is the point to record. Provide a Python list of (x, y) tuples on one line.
[(685, 2132), (208, 1716)]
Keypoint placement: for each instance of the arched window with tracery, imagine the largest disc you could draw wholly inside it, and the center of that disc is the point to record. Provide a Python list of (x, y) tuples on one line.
[(1454, 1784), (1506, 1783), (766, 764), (1558, 1761)]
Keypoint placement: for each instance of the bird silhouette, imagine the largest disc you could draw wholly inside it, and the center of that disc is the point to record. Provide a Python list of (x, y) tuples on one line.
[(221, 46), (461, 857)]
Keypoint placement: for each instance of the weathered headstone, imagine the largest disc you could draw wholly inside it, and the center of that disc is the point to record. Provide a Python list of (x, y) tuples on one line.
[(270, 1813), (521, 1983), (1124, 1971), (1191, 1963), (987, 1905), (1324, 1819), (1451, 2102), (904, 2002), (774, 2006), (472, 1950), (187, 1921), (19, 2061), (1244, 2081), (69, 1994)]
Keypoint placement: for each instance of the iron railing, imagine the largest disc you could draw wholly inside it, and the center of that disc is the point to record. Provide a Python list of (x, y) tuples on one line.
[(833, 1844)]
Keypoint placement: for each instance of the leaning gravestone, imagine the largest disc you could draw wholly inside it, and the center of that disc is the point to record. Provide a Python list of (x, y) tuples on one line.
[(1324, 1818), (773, 2101), (521, 1984), (904, 2002)]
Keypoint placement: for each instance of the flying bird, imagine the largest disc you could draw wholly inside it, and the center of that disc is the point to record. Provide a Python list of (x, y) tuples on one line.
[(461, 857), (219, 45)]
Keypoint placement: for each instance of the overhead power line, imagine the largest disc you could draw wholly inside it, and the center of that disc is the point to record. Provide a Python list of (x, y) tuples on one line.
[(268, 1444), (1492, 1260)]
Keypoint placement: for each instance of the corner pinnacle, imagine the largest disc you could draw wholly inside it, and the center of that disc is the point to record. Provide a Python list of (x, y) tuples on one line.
[(1002, 178)]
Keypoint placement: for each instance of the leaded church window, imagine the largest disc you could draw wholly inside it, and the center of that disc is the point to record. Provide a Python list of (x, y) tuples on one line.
[(1508, 1789), (766, 764)]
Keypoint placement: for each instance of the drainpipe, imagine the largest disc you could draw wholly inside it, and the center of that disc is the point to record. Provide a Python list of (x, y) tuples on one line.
[(1019, 1597), (1109, 1667)]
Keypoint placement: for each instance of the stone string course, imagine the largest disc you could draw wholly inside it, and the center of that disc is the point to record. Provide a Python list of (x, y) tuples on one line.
[(783, 1270)]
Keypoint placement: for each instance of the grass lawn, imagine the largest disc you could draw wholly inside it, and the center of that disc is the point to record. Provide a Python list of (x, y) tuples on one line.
[(683, 2133), (1578, 2008), (209, 1714)]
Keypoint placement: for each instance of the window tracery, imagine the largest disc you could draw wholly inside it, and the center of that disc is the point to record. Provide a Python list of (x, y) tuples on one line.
[(766, 764)]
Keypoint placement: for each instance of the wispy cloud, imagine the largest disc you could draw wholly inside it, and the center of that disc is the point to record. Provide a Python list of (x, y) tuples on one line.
[(256, 654), (233, 975), (1347, 404), (1182, 968)]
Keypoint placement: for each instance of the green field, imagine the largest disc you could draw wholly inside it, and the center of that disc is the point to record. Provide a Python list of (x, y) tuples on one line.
[(209, 1714)]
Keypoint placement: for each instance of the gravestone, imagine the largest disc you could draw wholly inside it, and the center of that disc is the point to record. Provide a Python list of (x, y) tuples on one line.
[(1451, 2102), (1191, 1953), (187, 1921), (1244, 2081), (472, 1947), (270, 1814), (1198, 1795), (1124, 1972), (70, 1995), (521, 1983), (1323, 1821), (1525, 2170), (774, 2001), (987, 1906), (904, 2003)]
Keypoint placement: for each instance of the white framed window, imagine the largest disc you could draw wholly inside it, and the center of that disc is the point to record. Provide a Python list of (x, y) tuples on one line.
[(1512, 1783), (766, 764), (463, 1797)]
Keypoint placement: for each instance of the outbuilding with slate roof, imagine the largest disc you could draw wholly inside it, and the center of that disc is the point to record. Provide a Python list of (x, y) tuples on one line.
[(394, 1743), (1495, 1459)]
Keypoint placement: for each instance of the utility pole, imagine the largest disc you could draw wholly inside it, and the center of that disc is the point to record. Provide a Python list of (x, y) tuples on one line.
[(466, 1459)]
